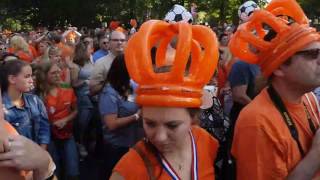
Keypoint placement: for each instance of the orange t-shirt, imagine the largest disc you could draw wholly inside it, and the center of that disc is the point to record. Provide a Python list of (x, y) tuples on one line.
[(263, 146), (131, 166), (10, 173), (59, 107), (33, 50)]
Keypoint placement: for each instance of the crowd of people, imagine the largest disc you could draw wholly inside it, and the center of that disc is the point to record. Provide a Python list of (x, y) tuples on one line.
[(240, 107)]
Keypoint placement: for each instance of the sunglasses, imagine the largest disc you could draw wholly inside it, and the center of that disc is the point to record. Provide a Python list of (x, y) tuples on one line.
[(310, 53)]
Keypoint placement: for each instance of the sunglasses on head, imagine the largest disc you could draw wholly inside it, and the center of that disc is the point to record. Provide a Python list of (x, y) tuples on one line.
[(310, 53)]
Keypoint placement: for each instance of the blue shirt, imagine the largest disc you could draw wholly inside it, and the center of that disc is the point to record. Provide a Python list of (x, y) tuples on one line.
[(242, 73), (111, 102), (99, 54), (30, 121)]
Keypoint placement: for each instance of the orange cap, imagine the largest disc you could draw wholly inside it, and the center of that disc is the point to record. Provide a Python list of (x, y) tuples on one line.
[(173, 88), (289, 39)]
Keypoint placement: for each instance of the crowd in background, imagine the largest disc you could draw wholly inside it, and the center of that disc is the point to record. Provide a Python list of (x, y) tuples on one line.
[(70, 92)]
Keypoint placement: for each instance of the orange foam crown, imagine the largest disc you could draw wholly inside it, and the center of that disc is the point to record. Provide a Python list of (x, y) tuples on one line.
[(176, 88), (249, 45)]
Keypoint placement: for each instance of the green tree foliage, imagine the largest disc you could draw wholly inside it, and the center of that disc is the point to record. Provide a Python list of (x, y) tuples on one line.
[(18, 14)]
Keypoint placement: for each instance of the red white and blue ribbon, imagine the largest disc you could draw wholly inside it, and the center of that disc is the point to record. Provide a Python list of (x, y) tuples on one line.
[(168, 168)]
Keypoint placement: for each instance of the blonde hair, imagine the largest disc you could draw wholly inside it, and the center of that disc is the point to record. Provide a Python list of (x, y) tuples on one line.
[(19, 43)]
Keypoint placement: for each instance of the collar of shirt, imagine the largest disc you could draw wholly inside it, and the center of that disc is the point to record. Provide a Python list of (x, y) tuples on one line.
[(8, 103)]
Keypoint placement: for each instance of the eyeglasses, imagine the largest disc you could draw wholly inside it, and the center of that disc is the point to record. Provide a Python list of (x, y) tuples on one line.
[(310, 53), (104, 42), (119, 40)]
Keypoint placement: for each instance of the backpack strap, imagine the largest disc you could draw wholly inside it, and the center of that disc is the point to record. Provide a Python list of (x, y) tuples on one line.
[(146, 161)]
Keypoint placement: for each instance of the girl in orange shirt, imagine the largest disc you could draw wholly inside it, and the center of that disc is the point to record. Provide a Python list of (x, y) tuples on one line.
[(62, 110)]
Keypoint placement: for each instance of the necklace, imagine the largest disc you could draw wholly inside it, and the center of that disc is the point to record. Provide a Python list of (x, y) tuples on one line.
[(168, 168)]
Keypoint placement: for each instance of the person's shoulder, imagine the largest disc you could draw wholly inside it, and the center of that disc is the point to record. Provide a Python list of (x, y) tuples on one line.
[(108, 89), (110, 93), (198, 131), (201, 135), (132, 158), (240, 63), (99, 61), (31, 97), (259, 112), (97, 52), (237, 67)]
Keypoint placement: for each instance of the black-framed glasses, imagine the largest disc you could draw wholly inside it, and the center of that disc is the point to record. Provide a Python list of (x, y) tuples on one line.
[(310, 53)]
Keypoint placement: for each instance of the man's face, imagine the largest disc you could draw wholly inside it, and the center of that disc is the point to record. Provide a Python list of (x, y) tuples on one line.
[(118, 42), (104, 43), (304, 69)]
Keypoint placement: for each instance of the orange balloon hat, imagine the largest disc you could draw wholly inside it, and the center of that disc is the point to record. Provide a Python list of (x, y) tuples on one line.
[(248, 42), (178, 87)]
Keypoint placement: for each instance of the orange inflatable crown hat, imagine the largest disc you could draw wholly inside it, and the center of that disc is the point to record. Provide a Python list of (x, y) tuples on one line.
[(248, 42), (178, 87)]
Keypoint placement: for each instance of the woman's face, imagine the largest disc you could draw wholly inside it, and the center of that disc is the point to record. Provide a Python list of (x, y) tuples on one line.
[(166, 128), (23, 82), (42, 47), (54, 75), (56, 57)]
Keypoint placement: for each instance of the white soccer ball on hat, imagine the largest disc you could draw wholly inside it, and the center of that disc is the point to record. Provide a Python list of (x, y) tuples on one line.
[(246, 9), (178, 13)]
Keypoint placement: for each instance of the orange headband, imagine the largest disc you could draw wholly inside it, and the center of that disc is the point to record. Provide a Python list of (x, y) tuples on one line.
[(173, 88), (289, 39)]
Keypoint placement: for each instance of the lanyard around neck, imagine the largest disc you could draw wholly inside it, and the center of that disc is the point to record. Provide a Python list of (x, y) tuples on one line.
[(277, 101)]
